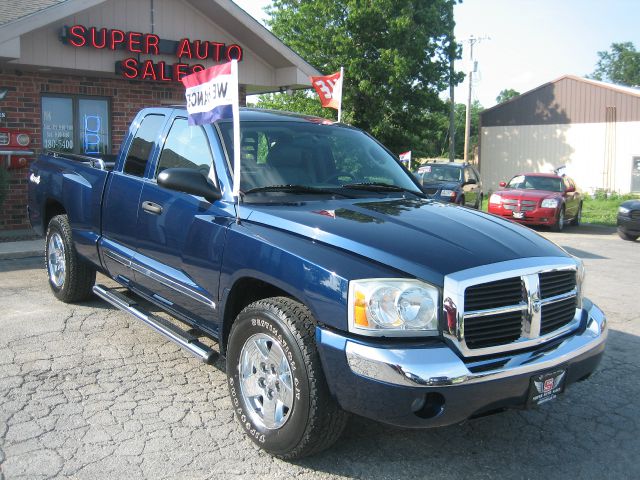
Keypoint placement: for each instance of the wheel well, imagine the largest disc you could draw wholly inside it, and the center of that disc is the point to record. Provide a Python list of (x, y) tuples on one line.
[(244, 292), (51, 209)]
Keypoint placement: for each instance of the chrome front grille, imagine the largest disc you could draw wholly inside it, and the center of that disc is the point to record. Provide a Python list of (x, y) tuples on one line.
[(519, 205), (635, 214), (509, 310)]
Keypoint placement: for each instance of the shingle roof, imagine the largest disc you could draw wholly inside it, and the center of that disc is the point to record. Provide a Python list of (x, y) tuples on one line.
[(12, 10)]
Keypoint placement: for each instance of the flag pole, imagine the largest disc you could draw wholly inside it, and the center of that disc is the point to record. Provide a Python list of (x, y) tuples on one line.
[(236, 138), (341, 88)]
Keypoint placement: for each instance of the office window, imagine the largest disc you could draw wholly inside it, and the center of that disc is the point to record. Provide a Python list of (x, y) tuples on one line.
[(76, 124)]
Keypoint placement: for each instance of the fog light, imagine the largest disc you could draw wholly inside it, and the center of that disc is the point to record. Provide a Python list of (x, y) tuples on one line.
[(432, 406)]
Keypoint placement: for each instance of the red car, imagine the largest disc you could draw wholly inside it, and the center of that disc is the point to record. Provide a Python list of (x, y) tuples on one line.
[(538, 199)]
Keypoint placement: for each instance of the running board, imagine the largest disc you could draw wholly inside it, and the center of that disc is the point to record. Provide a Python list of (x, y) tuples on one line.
[(184, 338)]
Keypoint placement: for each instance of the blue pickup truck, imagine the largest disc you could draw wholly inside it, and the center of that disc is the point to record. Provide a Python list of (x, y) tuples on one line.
[(331, 286)]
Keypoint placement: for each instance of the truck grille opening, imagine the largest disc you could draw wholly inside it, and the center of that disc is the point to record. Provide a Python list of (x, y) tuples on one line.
[(498, 329), (496, 294), (557, 315), (556, 283)]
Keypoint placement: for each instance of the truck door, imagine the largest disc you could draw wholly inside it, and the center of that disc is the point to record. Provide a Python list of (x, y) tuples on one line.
[(122, 195), (180, 237)]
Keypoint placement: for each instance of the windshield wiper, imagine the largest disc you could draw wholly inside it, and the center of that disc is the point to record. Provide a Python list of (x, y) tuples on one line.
[(296, 189), (378, 187)]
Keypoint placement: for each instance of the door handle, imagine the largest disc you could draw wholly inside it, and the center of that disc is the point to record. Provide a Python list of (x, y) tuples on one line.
[(151, 207)]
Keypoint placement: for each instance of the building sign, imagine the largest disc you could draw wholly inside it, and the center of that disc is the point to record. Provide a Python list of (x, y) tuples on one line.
[(138, 43)]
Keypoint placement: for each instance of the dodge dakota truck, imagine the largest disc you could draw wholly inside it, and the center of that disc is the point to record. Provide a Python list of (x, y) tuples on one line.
[(330, 286)]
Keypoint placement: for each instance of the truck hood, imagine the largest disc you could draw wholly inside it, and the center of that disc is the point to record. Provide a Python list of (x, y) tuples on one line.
[(423, 238)]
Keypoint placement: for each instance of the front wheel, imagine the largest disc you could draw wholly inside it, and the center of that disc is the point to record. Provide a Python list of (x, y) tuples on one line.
[(70, 277), (559, 225), (276, 382), (625, 236)]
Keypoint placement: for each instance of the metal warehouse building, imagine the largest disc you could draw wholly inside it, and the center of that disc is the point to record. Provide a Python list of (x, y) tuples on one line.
[(590, 127)]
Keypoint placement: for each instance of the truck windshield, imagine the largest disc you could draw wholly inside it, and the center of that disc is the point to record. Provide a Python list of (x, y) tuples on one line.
[(439, 173), (529, 182), (313, 155)]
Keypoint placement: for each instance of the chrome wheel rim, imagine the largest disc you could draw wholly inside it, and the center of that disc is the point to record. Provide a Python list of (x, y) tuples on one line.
[(56, 260), (266, 383)]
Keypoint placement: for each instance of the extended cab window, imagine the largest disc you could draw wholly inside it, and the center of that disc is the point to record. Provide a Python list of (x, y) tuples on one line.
[(142, 144), (185, 147)]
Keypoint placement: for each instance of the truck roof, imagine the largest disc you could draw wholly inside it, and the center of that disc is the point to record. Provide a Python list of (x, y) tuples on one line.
[(263, 114)]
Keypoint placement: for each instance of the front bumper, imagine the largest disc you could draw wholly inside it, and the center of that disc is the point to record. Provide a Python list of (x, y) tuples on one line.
[(630, 226), (428, 385), (539, 216)]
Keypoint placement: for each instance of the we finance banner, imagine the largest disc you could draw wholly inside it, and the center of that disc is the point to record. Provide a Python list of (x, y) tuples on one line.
[(211, 93)]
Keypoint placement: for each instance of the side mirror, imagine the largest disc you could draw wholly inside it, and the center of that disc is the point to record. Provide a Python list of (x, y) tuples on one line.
[(188, 180), (503, 184), (570, 189), (471, 181)]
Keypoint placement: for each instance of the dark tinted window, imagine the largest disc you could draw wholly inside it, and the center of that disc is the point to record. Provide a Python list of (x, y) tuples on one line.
[(185, 147), (140, 148)]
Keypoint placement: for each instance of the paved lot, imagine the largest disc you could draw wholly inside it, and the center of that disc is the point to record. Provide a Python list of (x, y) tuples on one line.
[(88, 392)]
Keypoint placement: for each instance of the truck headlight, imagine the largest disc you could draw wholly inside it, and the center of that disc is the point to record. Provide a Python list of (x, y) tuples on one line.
[(447, 193), (495, 199), (623, 210), (549, 203), (393, 307)]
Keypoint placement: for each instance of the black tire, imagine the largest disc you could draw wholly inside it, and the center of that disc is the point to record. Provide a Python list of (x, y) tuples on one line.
[(559, 225), (314, 421), (625, 236), (577, 220), (76, 281)]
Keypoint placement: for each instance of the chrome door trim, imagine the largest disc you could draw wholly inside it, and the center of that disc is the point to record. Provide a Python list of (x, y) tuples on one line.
[(158, 277)]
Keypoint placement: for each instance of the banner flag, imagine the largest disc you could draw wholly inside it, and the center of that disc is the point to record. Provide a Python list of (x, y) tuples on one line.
[(405, 157), (212, 94), (329, 88)]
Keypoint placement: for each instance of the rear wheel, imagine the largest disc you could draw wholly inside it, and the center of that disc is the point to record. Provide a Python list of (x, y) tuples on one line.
[(70, 277), (625, 236), (276, 382)]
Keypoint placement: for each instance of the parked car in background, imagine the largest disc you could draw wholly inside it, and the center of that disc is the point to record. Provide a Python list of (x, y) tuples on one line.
[(451, 182), (629, 220), (538, 199)]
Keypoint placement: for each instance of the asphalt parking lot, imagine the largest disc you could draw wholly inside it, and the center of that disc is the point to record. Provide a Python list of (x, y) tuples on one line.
[(88, 392)]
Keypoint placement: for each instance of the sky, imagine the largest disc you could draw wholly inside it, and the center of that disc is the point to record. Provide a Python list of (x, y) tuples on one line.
[(529, 42)]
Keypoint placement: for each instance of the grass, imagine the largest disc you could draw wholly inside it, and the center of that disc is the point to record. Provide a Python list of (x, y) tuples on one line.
[(600, 210)]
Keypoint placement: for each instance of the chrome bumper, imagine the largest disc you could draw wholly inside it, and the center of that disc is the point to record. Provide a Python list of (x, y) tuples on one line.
[(437, 367)]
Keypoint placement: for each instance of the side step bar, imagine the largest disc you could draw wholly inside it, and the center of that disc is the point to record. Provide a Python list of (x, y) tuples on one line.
[(184, 338)]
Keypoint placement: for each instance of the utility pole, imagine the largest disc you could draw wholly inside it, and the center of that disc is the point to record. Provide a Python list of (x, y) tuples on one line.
[(467, 127), (452, 107)]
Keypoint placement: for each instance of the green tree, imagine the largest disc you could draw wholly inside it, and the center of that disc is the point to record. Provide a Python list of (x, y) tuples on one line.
[(299, 101), (461, 112), (395, 54), (506, 94), (620, 65)]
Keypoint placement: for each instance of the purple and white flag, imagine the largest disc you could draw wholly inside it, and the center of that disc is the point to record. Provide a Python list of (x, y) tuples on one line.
[(212, 94)]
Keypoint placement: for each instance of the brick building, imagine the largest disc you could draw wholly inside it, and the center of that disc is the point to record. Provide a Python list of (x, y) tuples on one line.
[(73, 73)]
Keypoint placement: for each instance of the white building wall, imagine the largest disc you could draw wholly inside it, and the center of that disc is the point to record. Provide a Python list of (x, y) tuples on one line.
[(594, 156)]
